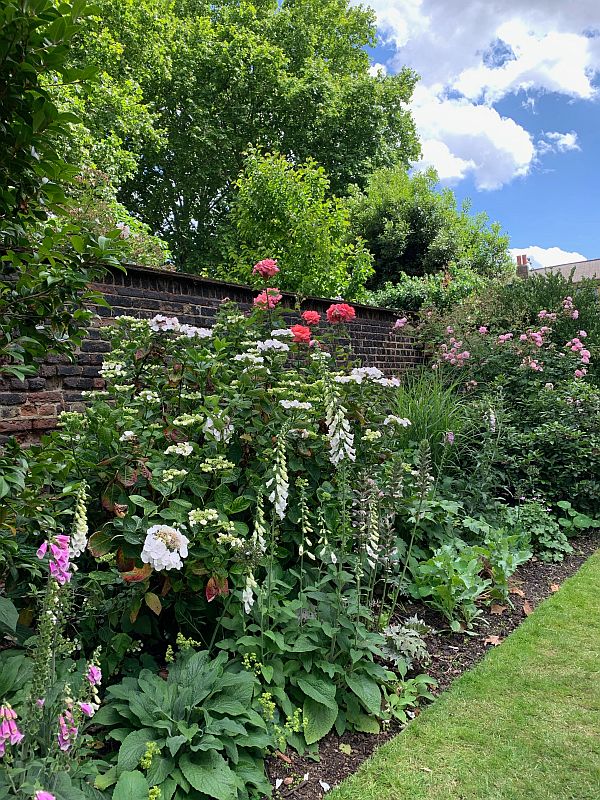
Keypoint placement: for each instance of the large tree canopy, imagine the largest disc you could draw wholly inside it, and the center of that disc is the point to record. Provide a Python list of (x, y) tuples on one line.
[(412, 228), (217, 77)]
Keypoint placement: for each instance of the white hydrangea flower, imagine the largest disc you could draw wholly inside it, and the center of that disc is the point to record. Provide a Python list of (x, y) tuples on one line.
[(172, 474), (249, 358), (289, 404), (112, 369), (392, 382), (282, 333), (161, 323), (149, 396), (192, 332), (127, 436), (180, 449), (272, 344), (203, 517), (186, 420), (164, 547)]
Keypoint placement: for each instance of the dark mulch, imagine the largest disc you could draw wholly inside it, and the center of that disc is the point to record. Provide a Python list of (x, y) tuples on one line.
[(452, 654)]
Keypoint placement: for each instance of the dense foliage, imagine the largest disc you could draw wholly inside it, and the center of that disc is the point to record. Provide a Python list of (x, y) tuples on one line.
[(286, 210), (186, 86)]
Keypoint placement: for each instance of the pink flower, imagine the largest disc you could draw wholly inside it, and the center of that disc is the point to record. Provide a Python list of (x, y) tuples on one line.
[(266, 268), (400, 323), (582, 335), (40, 702), (482, 330), (67, 731), (449, 329), (340, 312), (9, 732), (59, 558), (575, 314), (449, 438), (94, 675), (523, 337), (41, 551), (267, 299), (44, 796), (301, 333), (504, 337), (580, 373), (311, 317), (87, 709)]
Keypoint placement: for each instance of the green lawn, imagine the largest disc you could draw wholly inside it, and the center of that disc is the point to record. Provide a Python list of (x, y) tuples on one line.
[(522, 725)]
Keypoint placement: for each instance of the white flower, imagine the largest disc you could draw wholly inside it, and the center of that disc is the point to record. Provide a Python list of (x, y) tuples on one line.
[(341, 439), (279, 481), (112, 369), (371, 436), (192, 332), (492, 420), (219, 434), (250, 358), (162, 323), (149, 396), (78, 540), (282, 333), (180, 449), (272, 344), (248, 598), (295, 404), (187, 419), (127, 436), (393, 420), (164, 547), (172, 474), (203, 517), (395, 382)]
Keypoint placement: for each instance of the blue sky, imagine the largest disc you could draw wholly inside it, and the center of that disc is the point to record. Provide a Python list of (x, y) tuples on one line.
[(508, 111)]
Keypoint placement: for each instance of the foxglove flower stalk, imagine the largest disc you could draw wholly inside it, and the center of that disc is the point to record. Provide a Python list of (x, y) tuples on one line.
[(59, 558), (79, 532), (306, 544), (9, 732), (248, 597), (164, 547), (492, 421), (260, 527), (279, 481), (67, 730)]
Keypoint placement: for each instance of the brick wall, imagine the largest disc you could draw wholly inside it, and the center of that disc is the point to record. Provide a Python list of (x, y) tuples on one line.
[(30, 407)]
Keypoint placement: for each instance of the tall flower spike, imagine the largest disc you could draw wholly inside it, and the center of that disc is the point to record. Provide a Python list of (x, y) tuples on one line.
[(279, 481), (305, 524), (79, 531), (260, 526), (341, 438)]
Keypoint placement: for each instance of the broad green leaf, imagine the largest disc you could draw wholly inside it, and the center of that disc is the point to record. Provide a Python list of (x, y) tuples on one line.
[(367, 691), (318, 689), (133, 748), (8, 614), (318, 720), (131, 786), (208, 773)]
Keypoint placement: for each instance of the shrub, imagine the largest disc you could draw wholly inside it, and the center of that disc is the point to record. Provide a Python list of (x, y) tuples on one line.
[(535, 519)]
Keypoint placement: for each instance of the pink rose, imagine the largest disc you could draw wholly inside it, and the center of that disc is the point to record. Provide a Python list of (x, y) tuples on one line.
[(311, 317), (266, 268), (340, 312)]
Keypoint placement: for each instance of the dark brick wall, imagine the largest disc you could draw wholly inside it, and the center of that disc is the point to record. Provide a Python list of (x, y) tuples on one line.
[(27, 408)]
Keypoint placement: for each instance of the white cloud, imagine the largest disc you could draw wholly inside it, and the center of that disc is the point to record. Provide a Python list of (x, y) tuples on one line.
[(547, 256), (377, 69), (459, 138), (472, 54), (563, 141)]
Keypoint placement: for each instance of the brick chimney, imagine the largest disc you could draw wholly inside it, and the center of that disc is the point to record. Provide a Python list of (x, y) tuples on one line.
[(522, 266)]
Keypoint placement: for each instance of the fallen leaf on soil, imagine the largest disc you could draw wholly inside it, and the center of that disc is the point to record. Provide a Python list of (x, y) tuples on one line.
[(346, 749), (324, 785), (495, 640), (554, 587), (288, 781), (517, 591), (497, 609), (527, 608), (283, 757)]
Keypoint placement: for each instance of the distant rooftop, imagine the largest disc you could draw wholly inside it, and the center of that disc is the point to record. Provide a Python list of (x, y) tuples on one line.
[(581, 269)]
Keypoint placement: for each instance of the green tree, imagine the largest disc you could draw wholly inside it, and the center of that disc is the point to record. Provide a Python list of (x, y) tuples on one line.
[(218, 77), (412, 228), (45, 271), (284, 211)]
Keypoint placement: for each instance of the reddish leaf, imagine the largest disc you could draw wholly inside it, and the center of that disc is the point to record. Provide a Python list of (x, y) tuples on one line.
[(517, 591), (216, 587), (498, 609), (107, 503), (137, 574), (128, 478), (166, 588), (527, 608), (495, 640), (144, 470), (120, 511)]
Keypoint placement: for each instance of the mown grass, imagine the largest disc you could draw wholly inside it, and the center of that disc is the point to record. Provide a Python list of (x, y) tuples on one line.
[(522, 725)]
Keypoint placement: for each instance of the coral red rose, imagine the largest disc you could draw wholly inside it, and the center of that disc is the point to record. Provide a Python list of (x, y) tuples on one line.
[(340, 312), (301, 333), (266, 268), (267, 299), (311, 317)]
